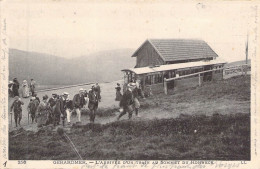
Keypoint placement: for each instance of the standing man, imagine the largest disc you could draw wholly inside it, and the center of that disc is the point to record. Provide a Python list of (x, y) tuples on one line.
[(68, 108), (37, 98), (59, 112), (32, 86), (98, 91), (32, 108), (126, 103), (16, 107), (52, 102), (16, 87), (78, 102), (93, 103)]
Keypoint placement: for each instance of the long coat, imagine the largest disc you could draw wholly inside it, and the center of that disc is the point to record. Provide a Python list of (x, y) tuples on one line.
[(127, 99), (93, 100), (98, 90), (78, 101), (42, 113), (52, 102), (59, 109), (15, 88), (32, 106)]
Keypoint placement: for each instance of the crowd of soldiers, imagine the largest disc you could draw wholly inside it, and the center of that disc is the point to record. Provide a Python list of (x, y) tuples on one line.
[(58, 108)]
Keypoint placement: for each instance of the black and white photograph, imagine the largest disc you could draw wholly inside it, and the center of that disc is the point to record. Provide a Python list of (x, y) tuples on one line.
[(130, 82)]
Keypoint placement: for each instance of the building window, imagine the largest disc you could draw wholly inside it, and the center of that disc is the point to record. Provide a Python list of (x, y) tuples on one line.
[(148, 80), (155, 78), (160, 78), (180, 73)]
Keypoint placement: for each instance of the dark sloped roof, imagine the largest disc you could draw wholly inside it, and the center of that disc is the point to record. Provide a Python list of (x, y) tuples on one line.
[(181, 49)]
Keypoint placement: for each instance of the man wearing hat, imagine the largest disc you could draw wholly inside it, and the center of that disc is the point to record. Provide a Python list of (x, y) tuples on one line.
[(78, 102), (126, 103), (93, 103), (60, 112), (32, 107), (37, 98), (16, 107), (52, 102)]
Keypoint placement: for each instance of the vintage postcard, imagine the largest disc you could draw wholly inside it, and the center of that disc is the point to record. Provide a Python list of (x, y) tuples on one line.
[(129, 84)]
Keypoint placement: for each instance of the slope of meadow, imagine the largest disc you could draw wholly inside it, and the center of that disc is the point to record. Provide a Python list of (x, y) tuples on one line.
[(212, 122)]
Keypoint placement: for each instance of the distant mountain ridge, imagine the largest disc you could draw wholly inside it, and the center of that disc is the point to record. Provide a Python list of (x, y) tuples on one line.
[(104, 66)]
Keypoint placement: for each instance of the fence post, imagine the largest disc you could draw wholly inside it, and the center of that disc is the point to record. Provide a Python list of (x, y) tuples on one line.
[(199, 80), (165, 86)]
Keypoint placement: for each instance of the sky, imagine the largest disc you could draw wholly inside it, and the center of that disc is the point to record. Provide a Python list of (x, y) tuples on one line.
[(67, 29)]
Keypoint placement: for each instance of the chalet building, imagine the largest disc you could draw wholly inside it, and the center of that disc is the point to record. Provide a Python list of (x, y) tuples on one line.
[(171, 51), (160, 59)]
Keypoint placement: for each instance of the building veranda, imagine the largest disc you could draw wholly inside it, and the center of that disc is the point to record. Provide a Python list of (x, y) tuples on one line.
[(175, 63)]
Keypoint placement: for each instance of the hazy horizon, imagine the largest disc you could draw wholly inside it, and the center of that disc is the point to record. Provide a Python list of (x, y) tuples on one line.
[(72, 30), (88, 54)]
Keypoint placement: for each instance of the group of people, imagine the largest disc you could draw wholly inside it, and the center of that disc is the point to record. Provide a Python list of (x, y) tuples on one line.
[(27, 89), (128, 102), (58, 108)]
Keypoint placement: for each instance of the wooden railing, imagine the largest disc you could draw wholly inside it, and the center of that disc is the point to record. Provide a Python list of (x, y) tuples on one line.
[(228, 70), (237, 69)]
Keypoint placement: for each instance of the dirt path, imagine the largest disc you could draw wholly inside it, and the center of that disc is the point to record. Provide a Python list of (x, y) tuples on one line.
[(107, 101), (205, 100)]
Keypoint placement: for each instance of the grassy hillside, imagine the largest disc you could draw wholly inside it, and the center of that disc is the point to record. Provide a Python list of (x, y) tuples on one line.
[(52, 70), (236, 63), (225, 97), (218, 137), (210, 122)]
